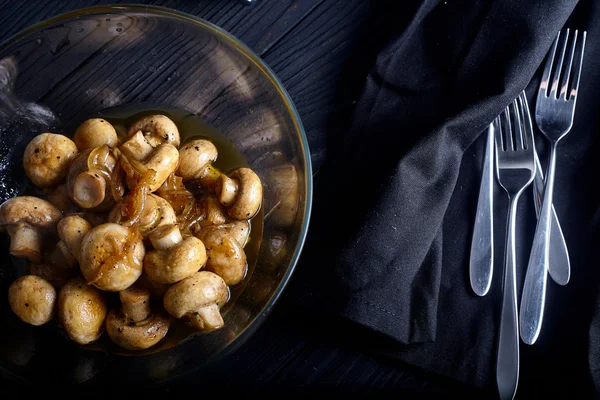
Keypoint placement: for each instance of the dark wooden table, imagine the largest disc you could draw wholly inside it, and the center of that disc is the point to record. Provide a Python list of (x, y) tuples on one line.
[(321, 50)]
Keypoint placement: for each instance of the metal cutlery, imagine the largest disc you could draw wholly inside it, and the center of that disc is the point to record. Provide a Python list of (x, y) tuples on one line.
[(481, 263), (559, 266), (515, 169), (554, 116), (482, 244)]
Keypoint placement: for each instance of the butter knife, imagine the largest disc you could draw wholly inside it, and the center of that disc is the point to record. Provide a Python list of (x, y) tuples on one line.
[(481, 263)]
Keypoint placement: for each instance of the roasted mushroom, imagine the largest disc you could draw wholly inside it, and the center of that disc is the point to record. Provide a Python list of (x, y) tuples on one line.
[(47, 158), (111, 256), (27, 220), (174, 258), (212, 212), (59, 198), (59, 264), (156, 212), (198, 299), (81, 311), (71, 230), (61, 257), (145, 165), (157, 129), (241, 192), (226, 257), (134, 326), (239, 230), (91, 182), (32, 299), (195, 162), (95, 132)]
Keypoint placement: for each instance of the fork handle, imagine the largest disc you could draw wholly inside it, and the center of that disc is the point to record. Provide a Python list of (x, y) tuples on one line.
[(559, 266), (534, 288), (507, 363), (482, 249)]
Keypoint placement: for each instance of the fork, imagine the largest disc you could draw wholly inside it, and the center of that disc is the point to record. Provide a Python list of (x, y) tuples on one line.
[(554, 116), (515, 169), (559, 267)]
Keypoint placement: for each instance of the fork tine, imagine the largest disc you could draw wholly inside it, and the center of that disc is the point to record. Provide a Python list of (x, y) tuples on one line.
[(498, 135), (545, 83), (559, 65), (528, 125), (518, 125), (577, 67), (506, 130), (569, 64)]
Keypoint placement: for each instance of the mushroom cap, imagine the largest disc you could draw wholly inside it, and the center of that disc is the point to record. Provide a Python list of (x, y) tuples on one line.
[(136, 335), (176, 263), (71, 230), (239, 229), (95, 132), (32, 299), (29, 210), (194, 157), (249, 194), (226, 257), (81, 310), (47, 158), (111, 256), (157, 129), (200, 290)]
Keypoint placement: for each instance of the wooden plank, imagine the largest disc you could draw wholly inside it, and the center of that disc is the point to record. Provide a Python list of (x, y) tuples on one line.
[(309, 60), (258, 26)]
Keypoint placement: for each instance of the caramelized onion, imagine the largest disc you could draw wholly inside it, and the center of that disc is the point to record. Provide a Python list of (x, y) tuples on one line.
[(120, 252), (183, 202)]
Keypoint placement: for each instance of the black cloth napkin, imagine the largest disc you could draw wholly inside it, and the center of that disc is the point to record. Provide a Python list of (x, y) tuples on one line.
[(394, 206)]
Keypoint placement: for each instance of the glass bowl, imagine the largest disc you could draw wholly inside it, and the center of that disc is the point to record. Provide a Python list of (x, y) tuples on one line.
[(62, 71)]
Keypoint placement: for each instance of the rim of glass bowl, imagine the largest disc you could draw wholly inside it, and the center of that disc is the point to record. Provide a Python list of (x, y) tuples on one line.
[(269, 74)]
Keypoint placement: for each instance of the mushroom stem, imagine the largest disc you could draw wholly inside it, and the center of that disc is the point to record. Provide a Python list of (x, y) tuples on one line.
[(213, 212), (165, 237), (135, 303), (137, 147), (209, 178), (207, 318), (25, 242), (89, 188), (226, 190)]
